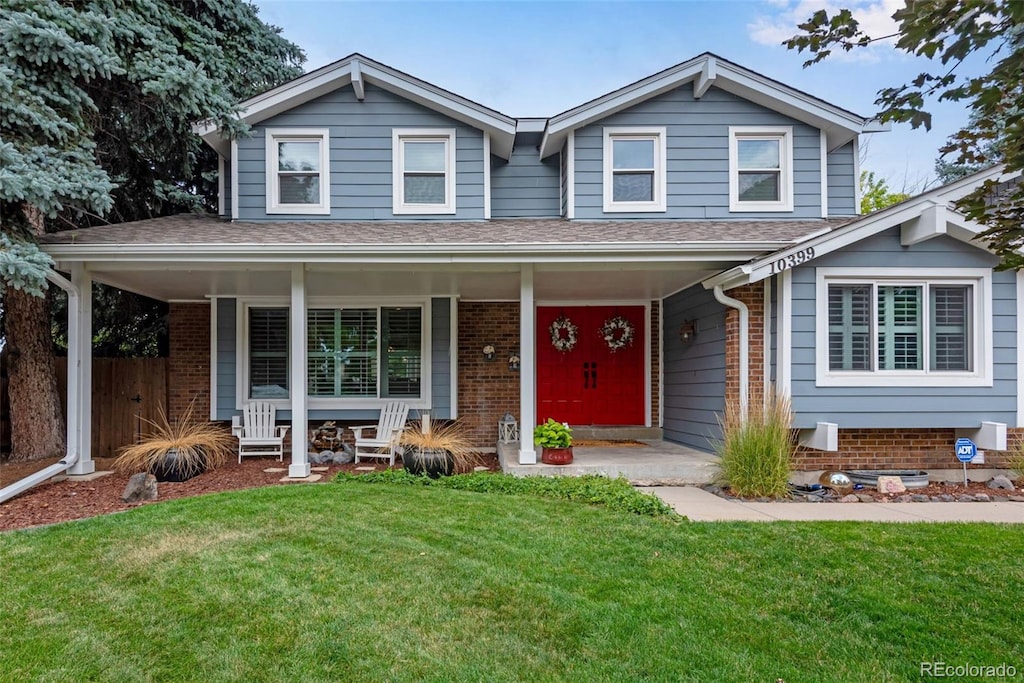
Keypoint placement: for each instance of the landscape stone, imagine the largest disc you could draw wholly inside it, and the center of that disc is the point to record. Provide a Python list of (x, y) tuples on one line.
[(982, 497), (865, 497), (906, 498), (1017, 499), (919, 498), (812, 498), (1001, 482), (891, 485), (952, 483), (946, 497), (965, 498), (141, 486), (343, 457), (850, 498)]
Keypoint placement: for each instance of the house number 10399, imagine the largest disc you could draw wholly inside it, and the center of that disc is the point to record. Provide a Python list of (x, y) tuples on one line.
[(792, 260)]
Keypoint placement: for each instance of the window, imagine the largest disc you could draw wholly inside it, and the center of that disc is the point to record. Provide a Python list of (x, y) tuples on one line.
[(424, 171), (634, 169), (760, 169), (346, 355), (298, 171), (919, 330)]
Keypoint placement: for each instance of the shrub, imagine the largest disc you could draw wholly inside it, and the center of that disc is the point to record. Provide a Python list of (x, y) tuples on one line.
[(614, 494), (756, 452), (1015, 459)]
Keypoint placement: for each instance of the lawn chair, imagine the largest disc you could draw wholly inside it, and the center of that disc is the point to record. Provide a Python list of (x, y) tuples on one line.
[(257, 434), (384, 442)]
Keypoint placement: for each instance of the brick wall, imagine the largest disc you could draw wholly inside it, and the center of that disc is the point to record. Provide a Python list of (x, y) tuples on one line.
[(655, 333), (487, 389), (188, 367), (753, 297), (878, 449)]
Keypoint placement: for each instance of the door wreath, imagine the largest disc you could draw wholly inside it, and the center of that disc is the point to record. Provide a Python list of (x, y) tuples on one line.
[(617, 333), (563, 334)]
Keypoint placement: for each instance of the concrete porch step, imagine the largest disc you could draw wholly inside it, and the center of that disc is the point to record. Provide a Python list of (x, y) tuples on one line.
[(617, 433)]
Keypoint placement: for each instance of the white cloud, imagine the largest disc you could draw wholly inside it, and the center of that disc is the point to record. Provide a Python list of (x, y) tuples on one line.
[(875, 17)]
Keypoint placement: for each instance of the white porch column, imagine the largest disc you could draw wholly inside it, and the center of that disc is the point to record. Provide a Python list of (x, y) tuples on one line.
[(527, 366), (300, 465), (80, 371)]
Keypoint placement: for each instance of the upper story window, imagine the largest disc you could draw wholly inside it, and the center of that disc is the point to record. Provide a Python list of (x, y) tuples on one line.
[(424, 170), (760, 168), (903, 329), (298, 170), (634, 169)]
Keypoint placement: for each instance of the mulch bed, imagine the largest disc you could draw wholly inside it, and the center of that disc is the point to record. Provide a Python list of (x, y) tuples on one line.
[(64, 500), (932, 490)]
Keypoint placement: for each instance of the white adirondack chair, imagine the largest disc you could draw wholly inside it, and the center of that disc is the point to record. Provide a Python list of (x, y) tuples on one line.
[(257, 434), (384, 442)]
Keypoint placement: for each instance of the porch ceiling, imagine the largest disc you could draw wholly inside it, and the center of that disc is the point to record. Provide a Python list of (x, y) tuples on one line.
[(575, 282)]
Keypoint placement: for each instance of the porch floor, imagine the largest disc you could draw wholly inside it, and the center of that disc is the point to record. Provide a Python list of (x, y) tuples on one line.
[(661, 462)]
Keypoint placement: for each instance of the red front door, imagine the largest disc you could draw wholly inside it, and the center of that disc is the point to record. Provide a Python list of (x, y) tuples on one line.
[(589, 382)]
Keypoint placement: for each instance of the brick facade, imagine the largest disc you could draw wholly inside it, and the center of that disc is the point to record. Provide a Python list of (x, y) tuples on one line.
[(487, 389), (188, 364), (655, 333), (753, 297)]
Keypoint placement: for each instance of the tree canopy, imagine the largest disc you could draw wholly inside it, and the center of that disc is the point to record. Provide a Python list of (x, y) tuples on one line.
[(875, 193), (955, 35)]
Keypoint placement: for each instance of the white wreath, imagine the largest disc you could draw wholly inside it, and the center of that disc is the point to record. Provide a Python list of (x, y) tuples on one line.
[(563, 334), (617, 332)]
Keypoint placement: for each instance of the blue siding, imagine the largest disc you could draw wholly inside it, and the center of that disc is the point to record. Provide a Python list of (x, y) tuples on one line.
[(694, 384), (525, 186), (563, 180), (698, 156), (440, 358), (226, 372), (227, 188), (909, 407), (842, 185), (360, 155)]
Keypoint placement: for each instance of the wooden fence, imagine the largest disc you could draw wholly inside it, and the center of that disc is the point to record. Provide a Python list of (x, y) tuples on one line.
[(125, 393)]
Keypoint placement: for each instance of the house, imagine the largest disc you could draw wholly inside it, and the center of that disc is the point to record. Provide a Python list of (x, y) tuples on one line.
[(640, 259)]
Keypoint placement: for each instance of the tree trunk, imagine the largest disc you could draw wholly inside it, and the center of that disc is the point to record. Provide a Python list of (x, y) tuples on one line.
[(37, 428)]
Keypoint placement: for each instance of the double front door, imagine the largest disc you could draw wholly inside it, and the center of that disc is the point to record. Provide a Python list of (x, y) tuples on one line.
[(590, 364)]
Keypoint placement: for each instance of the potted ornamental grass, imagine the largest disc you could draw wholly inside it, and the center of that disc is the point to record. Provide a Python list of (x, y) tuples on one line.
[(437, 449), (177, 450), (555, 440)]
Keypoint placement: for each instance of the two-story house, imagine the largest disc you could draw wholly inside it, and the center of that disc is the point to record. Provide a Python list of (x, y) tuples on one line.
[(641, 259)]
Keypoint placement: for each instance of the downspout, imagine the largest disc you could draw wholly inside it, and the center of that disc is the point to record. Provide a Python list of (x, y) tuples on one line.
[(71, 457), (744, 346)]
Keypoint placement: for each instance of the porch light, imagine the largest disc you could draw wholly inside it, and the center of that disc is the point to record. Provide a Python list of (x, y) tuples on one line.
[(508, 429), (488, 352), (513, 363), (688, 331)]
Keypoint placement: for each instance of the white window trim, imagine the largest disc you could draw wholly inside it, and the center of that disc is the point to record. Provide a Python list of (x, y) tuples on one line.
[(785, 134), (660, 135), (981, 340), (242, 307), (321, 135), (398, 205)]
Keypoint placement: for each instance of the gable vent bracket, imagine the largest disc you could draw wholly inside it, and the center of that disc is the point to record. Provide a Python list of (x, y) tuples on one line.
[(706, 78), (358, 85)]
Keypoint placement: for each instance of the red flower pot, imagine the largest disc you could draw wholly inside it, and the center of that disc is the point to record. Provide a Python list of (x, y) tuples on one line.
[(556, 456)]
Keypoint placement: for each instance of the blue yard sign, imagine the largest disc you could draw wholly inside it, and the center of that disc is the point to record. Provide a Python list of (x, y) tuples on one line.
[(965, 450)]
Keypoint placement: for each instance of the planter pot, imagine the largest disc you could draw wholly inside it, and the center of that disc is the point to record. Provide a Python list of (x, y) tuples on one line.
[(172, 468), (431, 462), (556, 456)]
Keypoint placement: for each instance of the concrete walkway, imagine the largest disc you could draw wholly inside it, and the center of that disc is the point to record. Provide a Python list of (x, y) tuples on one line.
[(701, 506)]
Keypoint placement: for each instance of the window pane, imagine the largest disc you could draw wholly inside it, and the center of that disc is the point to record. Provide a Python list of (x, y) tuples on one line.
[(633, 154), (342, 352), (759, 187), (298, 156), (758, 154), (424, 157), (950, 311), (402, 358), (899, 328), (299, 189), (268, 353), (424, 189), (849, 333), (633, 187)]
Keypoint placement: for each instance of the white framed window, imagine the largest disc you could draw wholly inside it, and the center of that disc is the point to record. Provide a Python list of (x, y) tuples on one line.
[(903, 327), (423, 167), (358, 354), (634, 169), (760, 168), (298, 170)]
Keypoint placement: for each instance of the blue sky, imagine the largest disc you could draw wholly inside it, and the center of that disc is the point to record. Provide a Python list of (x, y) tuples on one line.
[(541, 58)]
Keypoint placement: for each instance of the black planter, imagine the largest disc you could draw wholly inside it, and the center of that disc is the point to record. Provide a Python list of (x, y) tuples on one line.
[(433, 463), (171, 468)]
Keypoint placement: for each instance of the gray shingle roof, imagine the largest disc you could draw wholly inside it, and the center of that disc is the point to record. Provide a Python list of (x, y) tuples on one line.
[(200, 229)]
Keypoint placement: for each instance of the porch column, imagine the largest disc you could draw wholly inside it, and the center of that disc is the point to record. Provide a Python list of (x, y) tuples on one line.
[(80, 371), (300, 465), (527, 366)]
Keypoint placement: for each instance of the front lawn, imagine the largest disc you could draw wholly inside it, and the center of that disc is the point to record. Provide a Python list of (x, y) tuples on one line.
[(371, 582)]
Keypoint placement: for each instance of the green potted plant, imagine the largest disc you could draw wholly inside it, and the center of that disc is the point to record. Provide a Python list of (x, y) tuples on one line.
[(555, 440), (178, 450), (437, 450)]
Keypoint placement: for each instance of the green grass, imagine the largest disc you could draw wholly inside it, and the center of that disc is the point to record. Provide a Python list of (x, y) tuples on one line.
[(407, 583)]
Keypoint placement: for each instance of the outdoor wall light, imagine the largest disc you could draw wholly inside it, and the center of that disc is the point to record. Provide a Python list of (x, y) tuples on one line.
[(489, 352), (513, 363), (687, 331)]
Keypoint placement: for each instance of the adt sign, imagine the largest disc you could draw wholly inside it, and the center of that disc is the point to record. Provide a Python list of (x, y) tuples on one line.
[(965, 450)]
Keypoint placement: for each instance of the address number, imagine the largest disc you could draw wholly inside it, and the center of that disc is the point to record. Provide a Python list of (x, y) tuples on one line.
[(792, 261)]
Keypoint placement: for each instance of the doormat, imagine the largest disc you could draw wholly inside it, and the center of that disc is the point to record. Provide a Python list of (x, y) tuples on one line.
[(607, 443)]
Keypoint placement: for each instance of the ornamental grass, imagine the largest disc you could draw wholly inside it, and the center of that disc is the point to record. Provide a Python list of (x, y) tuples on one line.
[(200, 445), (756, 451), (439, 439)]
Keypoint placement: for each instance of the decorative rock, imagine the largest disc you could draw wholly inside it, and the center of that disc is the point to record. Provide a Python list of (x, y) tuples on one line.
[(891, 485), (343, 457), (850, 498), (906, 498), (946, 498), (348, 450), (919, 498), (711, 488), (982, 498), (864, 497), (141, 486), (812, 498), (1002, 482), (1000, 499), (1016, 499), (952, 483), (965, 498)]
